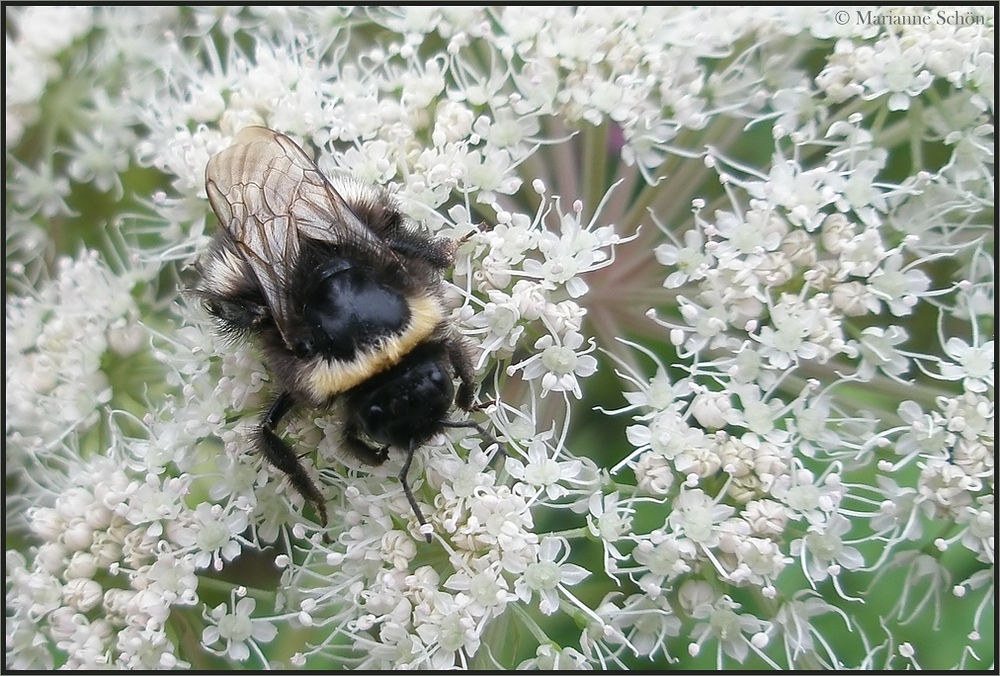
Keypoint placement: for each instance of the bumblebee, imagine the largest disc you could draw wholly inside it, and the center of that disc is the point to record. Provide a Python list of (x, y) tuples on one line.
[(343, 297)]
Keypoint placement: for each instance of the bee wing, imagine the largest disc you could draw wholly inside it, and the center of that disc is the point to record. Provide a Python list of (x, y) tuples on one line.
[(267, 193)]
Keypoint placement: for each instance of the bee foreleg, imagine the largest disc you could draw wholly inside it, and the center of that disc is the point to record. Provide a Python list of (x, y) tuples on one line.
[(281, 456)]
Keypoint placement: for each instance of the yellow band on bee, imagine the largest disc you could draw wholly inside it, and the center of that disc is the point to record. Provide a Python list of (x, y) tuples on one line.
[(331, 377)]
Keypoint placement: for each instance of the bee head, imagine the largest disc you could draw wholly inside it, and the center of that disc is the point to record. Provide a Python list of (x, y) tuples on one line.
[(406, 404)]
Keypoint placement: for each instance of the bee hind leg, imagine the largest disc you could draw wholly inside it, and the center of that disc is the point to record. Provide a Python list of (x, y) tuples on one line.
[(281, 456), (458, 355)]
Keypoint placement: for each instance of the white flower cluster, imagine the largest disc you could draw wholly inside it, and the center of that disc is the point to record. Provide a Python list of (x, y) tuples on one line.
[(434, 613), (821, 404), (776, 293), (903, 64), (118, 555), (55, 345), (31, 61), (119, 545), (101, 585)]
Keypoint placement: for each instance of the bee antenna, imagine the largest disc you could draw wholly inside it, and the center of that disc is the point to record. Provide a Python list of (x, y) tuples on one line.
[(409, 493)]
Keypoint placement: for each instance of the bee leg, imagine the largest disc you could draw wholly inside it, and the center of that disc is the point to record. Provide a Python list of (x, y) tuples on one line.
[(458, 353), (377, 456), (438, 253), (409, 493), (281, 456)]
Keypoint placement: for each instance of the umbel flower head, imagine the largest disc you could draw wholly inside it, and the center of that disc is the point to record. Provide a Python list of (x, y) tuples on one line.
[(728, 279)]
